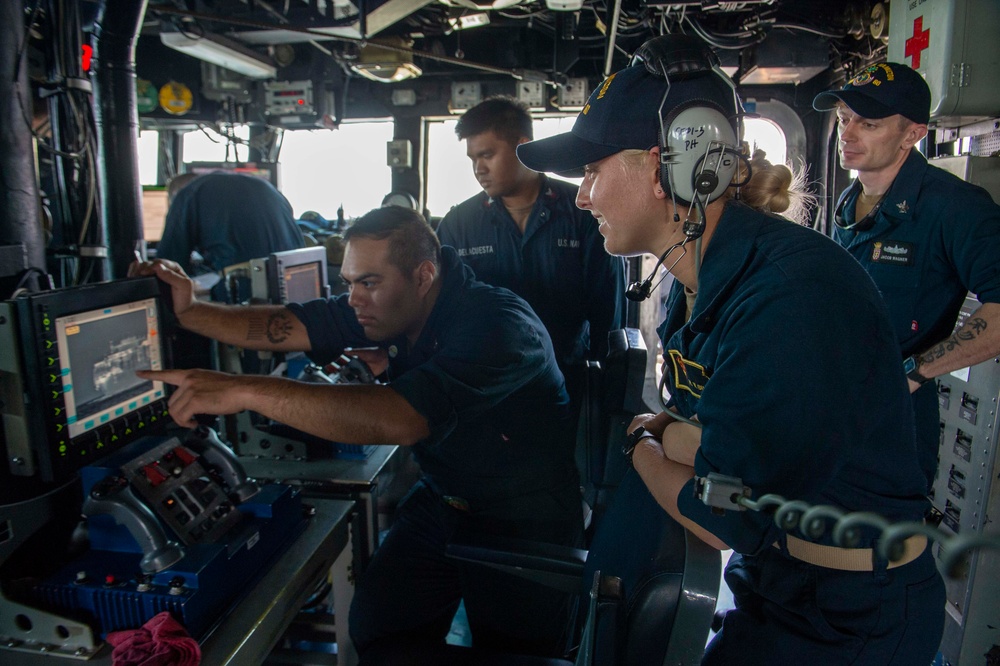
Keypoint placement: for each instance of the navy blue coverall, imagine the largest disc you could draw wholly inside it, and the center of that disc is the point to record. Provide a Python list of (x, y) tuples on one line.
[(935, 239), (499, 461), (786, 363), (558, 265), (228, 218)]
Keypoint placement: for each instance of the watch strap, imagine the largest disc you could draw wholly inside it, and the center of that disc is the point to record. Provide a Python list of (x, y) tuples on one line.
[(634, 438), (911, 366)]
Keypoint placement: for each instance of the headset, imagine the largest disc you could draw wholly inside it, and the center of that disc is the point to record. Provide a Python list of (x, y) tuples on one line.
[(699, 143), (699, 146), (857, 226)]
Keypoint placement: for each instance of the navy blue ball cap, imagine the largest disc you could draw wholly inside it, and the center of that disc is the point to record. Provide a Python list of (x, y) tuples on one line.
[(880, 91), (623, 113)]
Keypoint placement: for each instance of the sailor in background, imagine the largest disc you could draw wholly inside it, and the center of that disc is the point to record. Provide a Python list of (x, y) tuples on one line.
[(925, 236)]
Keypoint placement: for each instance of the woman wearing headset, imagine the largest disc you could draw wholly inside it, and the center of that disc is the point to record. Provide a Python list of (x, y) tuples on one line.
[(776, 349)]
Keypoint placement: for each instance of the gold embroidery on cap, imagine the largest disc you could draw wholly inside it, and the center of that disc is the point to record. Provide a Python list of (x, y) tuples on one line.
[(604, 87)]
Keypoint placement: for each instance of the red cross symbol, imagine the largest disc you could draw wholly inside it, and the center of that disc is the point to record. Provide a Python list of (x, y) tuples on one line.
[(920, 40)]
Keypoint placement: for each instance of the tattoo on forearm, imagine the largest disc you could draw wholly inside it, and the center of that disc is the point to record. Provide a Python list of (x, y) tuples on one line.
[(256, 329), (279, 327), (972, 329), (276, 328), (964, 335)]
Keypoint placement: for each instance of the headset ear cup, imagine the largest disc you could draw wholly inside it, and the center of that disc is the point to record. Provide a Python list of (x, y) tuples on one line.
[(691, 129), (664, 169)]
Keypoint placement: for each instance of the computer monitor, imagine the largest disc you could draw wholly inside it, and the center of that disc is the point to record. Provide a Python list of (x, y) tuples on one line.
[(297, 276), (79, 349), (100, 350), (154, 212)]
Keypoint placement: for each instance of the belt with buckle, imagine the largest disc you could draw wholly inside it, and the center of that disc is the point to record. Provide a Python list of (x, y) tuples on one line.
[(849, 559)]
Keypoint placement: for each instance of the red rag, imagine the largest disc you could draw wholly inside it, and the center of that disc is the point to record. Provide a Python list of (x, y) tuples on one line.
[(162, 641)]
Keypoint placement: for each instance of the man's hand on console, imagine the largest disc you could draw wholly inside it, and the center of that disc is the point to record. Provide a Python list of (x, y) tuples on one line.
[(201, 392), (171, 273)]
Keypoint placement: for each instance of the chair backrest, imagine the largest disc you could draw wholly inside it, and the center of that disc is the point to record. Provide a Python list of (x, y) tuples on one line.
[(612, 395), (669, 581), (657, 587)]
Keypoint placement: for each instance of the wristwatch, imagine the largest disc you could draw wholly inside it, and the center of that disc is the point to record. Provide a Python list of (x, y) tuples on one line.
[(911, 366), (634, 438)]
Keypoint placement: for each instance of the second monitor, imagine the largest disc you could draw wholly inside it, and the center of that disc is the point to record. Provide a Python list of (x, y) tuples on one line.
[(292, 276)]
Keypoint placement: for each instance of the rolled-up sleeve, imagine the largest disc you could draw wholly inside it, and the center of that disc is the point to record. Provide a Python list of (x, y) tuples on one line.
[(331, 325)]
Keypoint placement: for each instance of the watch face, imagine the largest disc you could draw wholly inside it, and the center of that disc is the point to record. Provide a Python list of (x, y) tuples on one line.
[(909, 365)]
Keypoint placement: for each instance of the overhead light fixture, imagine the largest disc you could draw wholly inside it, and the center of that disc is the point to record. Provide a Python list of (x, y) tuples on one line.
[(564, 5), (484, 5), (386, 65), (223, 52)]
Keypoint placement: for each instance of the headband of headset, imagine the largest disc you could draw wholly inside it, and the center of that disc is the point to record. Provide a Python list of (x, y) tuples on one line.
[(698, 137)]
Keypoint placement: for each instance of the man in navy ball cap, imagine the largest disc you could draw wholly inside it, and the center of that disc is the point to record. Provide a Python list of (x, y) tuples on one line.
[(767, 321), (926, 237), (880, 91)]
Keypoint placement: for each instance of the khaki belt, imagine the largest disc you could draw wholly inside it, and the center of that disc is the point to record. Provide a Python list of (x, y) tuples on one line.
[(849, 559)]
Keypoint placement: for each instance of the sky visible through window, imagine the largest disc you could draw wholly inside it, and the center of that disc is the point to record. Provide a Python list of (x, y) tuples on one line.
[(321, 170)]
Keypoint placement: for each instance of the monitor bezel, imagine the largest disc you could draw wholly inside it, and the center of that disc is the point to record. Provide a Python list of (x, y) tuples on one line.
[(56, 455), (278, 262)]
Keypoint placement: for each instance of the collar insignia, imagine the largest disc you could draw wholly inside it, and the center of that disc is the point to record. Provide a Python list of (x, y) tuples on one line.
[(903, 207)]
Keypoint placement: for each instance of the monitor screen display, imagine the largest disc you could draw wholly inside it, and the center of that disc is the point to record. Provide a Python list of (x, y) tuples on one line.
[(303, 282), (297, 276), (99, 352), (154, 213)]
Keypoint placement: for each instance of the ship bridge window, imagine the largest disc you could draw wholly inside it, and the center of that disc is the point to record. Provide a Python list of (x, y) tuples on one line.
[(449, 173), (764, 134), (207, 145), (148, 147), (320, 170)]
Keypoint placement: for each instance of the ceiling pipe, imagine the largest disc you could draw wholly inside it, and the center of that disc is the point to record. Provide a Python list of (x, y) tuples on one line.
[(612, 38), (117, 118)]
